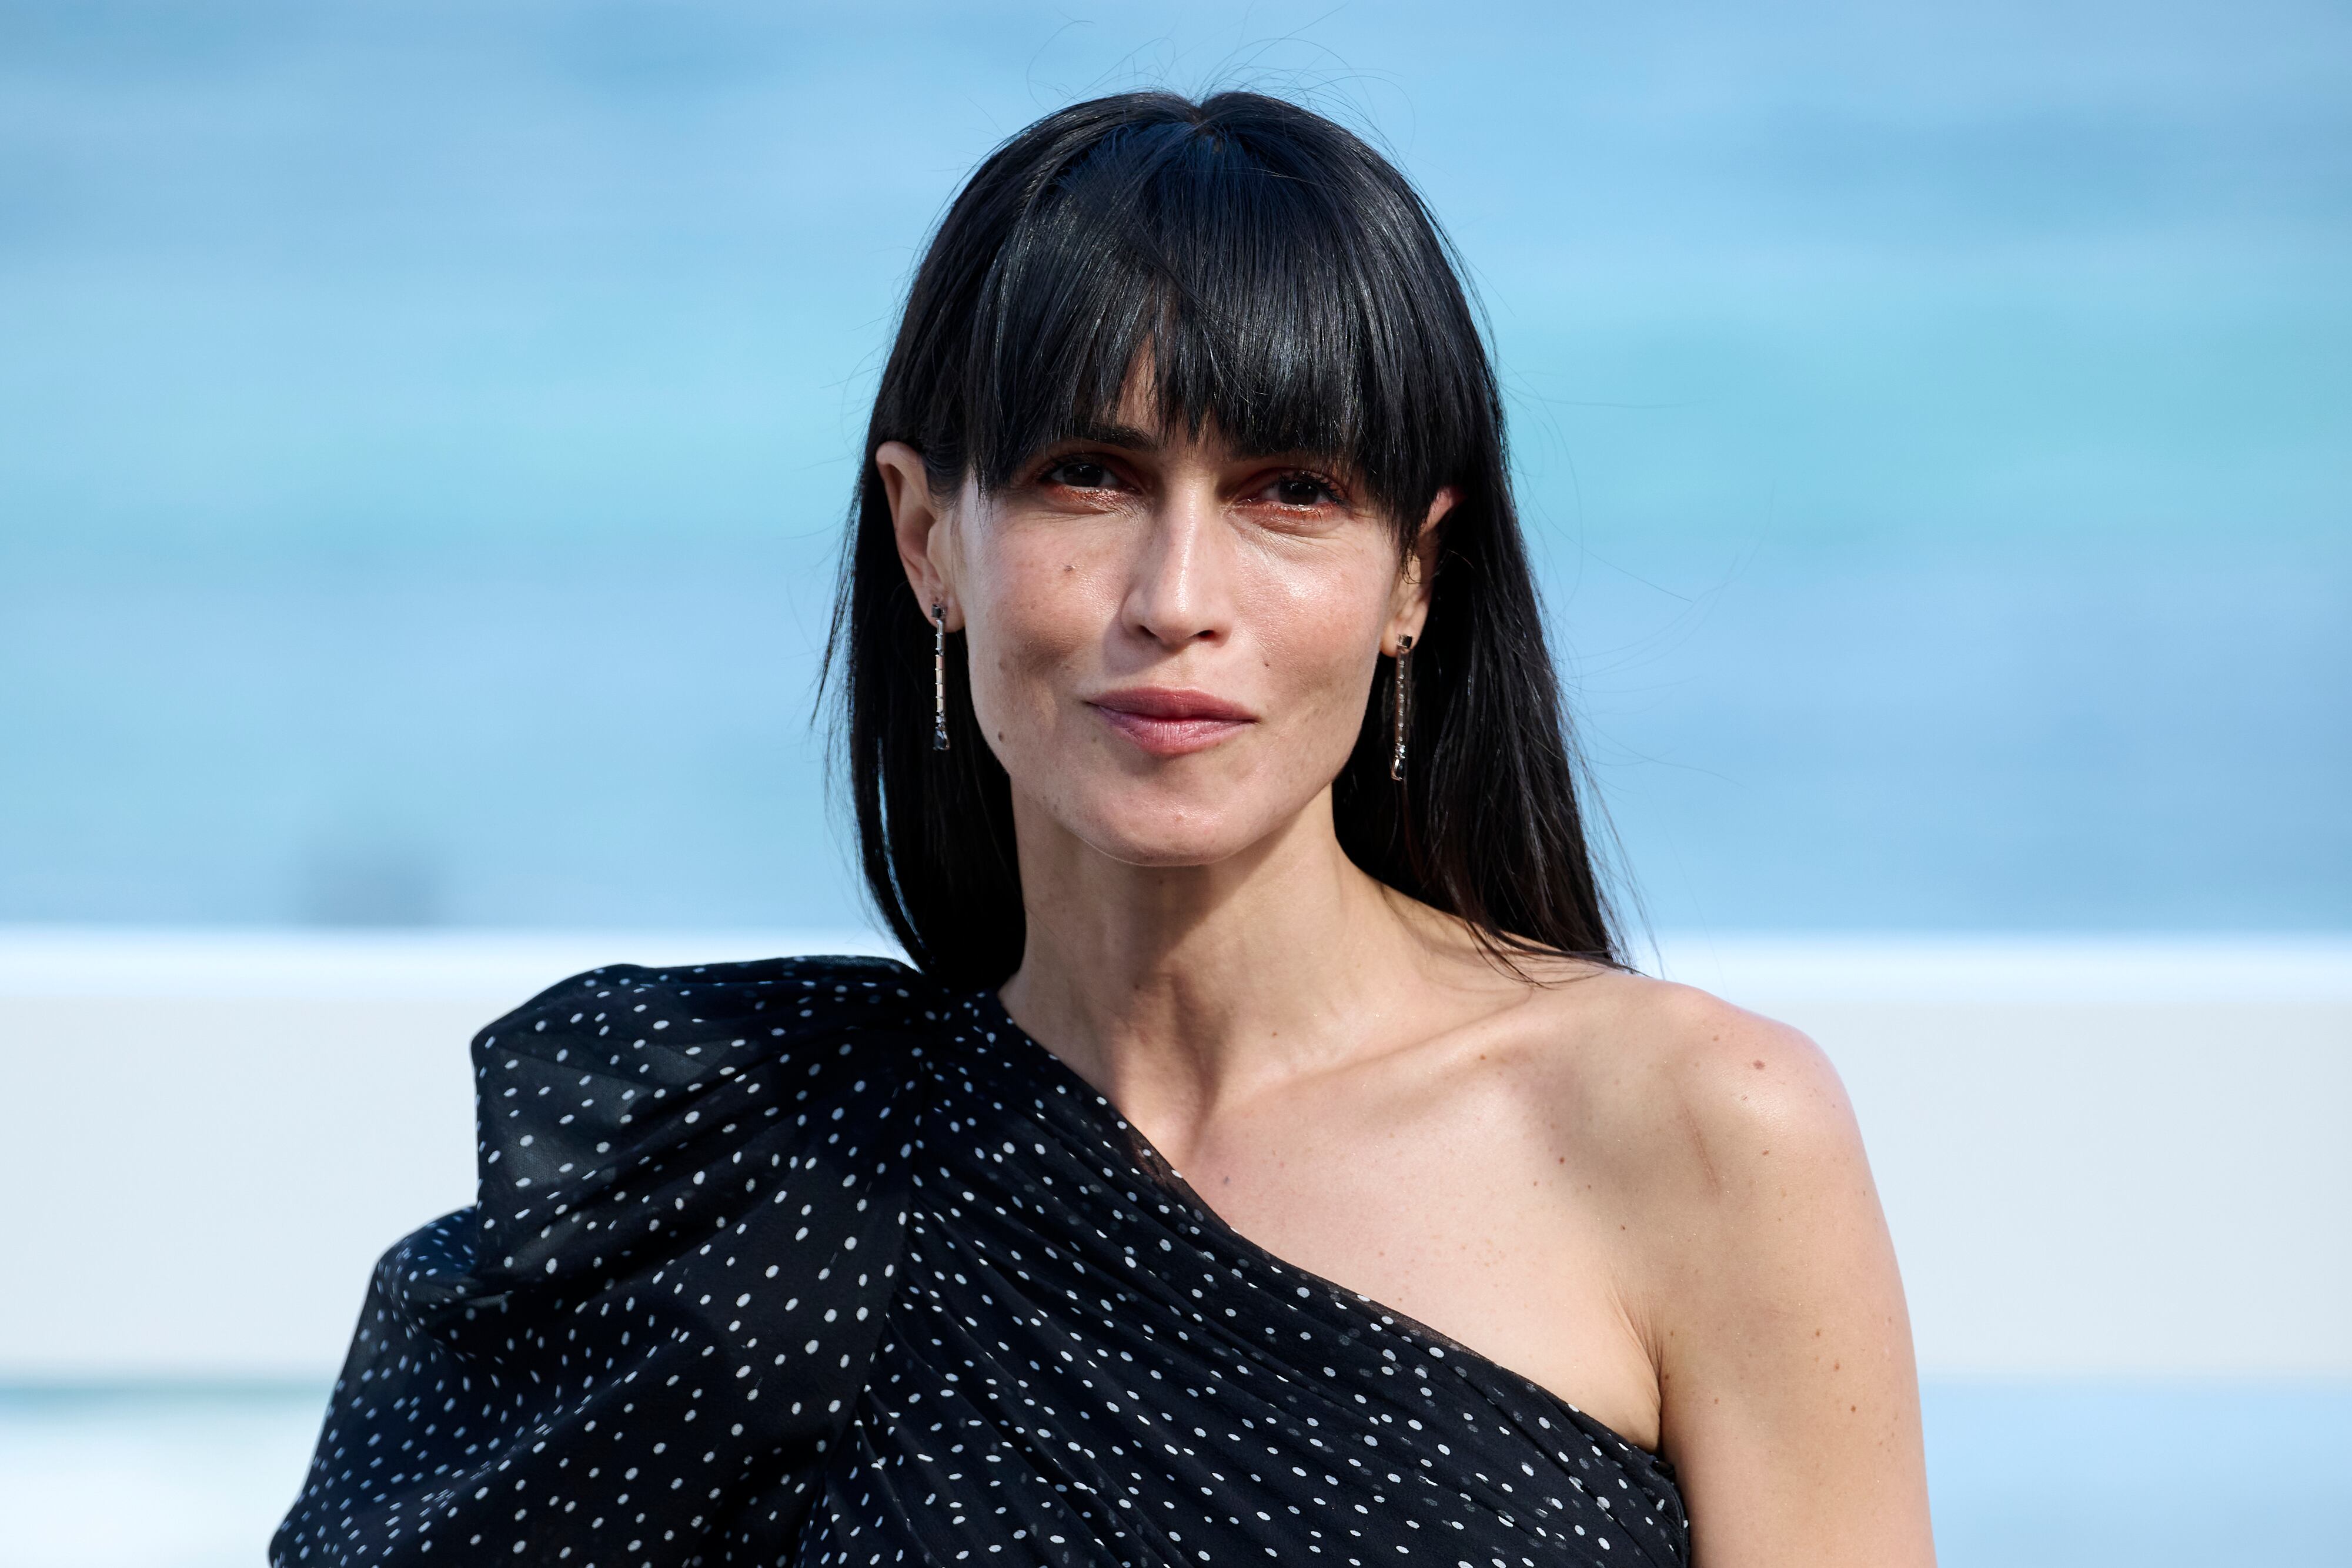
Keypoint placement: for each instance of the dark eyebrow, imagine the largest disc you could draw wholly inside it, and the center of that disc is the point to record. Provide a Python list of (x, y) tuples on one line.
[(1114, 436)]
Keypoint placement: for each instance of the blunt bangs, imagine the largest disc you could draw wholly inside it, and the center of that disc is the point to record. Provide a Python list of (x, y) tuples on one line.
[(1274, 277), (1279, 286)]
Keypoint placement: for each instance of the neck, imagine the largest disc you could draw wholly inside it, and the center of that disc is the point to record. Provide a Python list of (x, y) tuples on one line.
[(1177, 989)]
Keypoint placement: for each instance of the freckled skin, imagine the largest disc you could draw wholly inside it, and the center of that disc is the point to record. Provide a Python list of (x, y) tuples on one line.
[(1306, 593), (1651, 1203)]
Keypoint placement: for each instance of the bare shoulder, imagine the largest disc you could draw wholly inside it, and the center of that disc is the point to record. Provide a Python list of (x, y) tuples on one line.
[(1689, 1094), (1744, 1234)]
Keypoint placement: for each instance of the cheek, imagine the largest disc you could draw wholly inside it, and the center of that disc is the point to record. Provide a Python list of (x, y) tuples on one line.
[(1035, 618), (1319, 643), (1045, 608)]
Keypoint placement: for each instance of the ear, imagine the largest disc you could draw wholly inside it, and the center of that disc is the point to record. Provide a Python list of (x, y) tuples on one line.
[(924, 528), (1409, 604)]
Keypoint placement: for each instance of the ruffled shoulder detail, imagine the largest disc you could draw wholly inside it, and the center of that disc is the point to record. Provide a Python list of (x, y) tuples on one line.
[(688, 1217)]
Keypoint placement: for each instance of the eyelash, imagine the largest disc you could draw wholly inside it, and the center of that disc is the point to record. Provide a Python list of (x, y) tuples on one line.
[(1330, 488), (1332, 493), (1045, 474)]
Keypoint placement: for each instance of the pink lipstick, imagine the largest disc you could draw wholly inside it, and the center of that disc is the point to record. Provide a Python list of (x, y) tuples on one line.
[(1170, 721)]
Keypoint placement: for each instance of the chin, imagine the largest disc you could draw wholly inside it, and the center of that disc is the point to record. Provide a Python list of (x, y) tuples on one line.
[(1164, 834)]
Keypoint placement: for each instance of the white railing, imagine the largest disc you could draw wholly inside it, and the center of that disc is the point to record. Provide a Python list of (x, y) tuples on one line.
[(2124, 1156)]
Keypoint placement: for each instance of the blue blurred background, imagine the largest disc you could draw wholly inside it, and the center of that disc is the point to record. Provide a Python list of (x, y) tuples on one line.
[(425, 429)]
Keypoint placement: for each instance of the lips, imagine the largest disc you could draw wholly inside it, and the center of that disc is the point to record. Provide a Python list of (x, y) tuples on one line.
[(1167, 722)]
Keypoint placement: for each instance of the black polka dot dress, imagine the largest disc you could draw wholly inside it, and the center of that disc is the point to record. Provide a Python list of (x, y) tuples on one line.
[(807, 1262)]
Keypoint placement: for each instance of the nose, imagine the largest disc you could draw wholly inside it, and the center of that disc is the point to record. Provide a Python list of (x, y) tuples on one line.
[(1180, 591)]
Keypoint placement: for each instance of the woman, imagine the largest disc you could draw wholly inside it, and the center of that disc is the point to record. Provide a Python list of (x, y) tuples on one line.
[(1209, 768)]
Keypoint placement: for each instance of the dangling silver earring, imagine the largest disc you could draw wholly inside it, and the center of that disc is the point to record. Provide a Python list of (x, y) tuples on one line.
[(1396, 757), (939, 677)]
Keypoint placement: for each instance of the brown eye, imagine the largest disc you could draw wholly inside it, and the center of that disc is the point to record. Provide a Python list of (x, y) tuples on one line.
[(1301, 491), (1079, 474)]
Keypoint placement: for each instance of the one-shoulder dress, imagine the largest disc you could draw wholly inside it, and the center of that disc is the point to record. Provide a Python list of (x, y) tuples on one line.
[(811, 1261)]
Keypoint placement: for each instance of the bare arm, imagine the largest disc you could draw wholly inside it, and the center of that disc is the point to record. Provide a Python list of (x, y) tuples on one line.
[(1791, 1404)]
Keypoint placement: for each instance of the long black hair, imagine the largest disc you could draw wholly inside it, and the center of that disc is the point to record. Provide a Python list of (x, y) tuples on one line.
[(1288, 283)]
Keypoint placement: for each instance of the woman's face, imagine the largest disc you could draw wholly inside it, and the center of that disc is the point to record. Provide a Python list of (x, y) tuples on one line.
[(1170, 645)]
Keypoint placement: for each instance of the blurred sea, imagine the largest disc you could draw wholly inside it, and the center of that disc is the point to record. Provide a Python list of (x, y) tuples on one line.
[(425, 429)]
